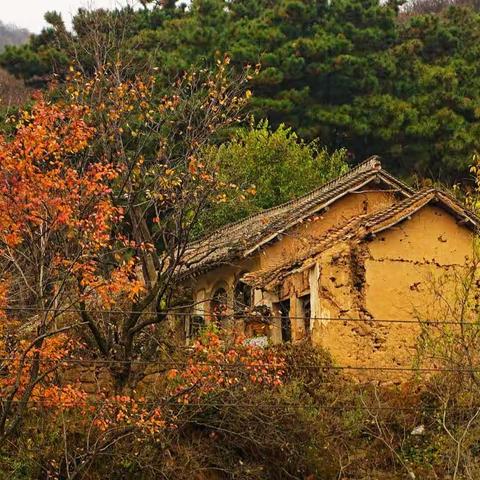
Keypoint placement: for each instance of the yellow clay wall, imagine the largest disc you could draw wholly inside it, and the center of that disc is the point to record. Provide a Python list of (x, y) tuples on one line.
[(393, 277)]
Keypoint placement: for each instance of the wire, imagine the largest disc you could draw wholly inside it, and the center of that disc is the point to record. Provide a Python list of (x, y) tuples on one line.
[(238, 366), (174, 402), (174, 313)]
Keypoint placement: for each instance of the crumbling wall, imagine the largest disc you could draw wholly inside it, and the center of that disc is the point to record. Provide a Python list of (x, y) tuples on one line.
[(366, 283), (404, 265), (289, 246), (95, 378), (92, 379), (342, 296), (385, 280)]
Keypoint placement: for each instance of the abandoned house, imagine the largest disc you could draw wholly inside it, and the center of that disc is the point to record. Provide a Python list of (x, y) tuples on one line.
[(338, 266)]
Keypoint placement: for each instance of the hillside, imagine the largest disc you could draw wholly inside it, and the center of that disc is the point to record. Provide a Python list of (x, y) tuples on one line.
[(12, 35), (13, 91), (362, 75)]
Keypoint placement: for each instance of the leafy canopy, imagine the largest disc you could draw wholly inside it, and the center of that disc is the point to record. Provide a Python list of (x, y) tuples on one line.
[(270, 167), (357, 74)]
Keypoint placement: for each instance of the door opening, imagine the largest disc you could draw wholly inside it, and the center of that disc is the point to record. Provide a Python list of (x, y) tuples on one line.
[(286, 323)]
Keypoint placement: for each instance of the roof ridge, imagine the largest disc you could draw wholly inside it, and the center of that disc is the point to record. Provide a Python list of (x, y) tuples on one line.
[(333, 232), (372, 163), (373, 218), (466, 210), (391, 211), (351, 228), (399, 206)]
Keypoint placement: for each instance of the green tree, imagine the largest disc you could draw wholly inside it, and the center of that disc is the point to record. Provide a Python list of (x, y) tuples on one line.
[(273, 167), (357, 74)]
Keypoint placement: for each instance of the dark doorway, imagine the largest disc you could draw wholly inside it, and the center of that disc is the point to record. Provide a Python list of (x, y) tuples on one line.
[(197, 324), (284, 308), (306, 313), (218, 305)]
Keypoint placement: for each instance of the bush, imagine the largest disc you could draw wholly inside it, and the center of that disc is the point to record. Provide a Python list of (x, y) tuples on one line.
[(319, 424)]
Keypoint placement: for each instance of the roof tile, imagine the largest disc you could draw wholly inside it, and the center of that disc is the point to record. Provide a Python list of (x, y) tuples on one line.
[(245, 236), (359, 228)]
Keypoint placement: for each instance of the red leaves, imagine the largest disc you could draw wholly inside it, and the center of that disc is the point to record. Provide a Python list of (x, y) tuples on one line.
[(215, 365), (123, 411), (38, 187), (51, 202), (50, 356)]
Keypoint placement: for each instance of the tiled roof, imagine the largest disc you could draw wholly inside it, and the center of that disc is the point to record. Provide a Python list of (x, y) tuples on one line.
[(242, 238), (361, 227)]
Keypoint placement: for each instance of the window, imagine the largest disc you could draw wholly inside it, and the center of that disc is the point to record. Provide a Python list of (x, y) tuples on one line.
[(218, 305), (242, 299), (197, 322)]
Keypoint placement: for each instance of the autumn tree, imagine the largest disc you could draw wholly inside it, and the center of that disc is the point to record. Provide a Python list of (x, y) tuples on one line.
[(165, 183), (54, 224), (101, 191)]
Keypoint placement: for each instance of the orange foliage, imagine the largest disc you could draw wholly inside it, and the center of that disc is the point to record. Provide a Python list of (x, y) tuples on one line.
[(43, 195), (63, 241), (123, 411), (36, 186), (56, 222), (214, 364), (212, 367), (50, 357)]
